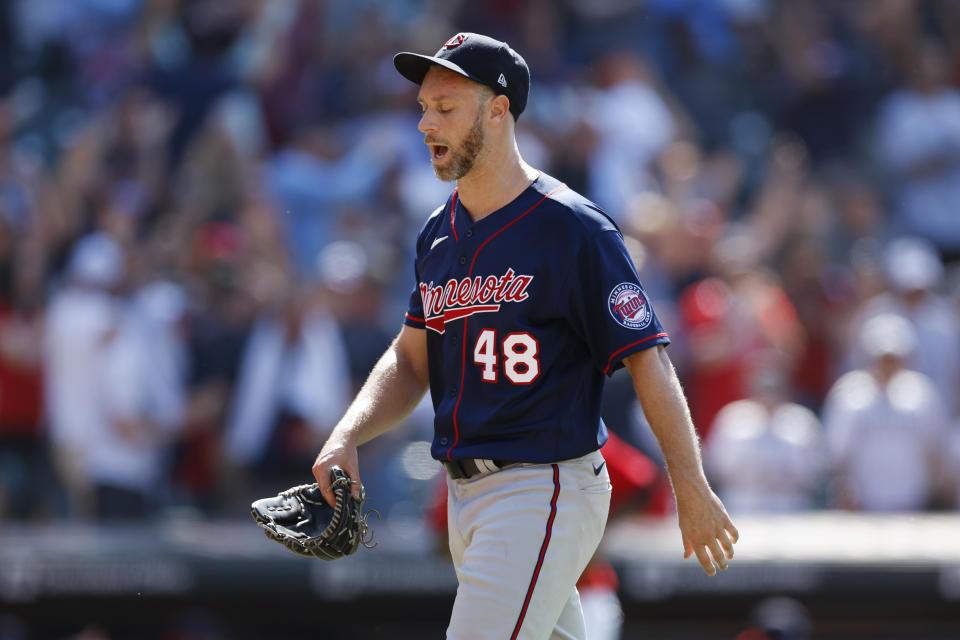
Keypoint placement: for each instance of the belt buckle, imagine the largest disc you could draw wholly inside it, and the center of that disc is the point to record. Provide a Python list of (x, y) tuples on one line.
[(485, 466), (466, 468)]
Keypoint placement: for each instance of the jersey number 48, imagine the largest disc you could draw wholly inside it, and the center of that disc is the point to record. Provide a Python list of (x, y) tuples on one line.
[(519, 352)]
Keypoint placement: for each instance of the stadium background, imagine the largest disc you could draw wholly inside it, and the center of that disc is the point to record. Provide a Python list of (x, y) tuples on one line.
[(207, 212)]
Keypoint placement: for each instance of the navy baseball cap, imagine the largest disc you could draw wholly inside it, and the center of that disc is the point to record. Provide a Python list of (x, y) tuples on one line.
[(478, 57)]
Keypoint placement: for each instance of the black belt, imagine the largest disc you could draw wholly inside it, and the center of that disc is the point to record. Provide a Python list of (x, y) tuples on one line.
[(469, 467)]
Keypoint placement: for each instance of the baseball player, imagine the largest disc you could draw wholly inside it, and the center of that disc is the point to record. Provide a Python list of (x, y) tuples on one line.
[(525, 299)]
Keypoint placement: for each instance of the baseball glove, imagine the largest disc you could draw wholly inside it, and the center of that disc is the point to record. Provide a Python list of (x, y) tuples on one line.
[(301, 520)]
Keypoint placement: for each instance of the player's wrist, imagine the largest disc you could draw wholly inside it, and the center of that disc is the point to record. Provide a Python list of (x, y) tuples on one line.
[(343, 435), (690, 486)]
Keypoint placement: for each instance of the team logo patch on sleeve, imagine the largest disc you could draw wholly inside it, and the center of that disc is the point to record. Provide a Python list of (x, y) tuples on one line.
[(629, 307)]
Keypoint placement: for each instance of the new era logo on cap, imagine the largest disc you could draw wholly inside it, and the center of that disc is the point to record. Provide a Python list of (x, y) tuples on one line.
[(478, 57)]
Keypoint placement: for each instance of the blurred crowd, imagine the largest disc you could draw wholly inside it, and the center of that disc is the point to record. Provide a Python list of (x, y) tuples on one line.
[(208, 210)]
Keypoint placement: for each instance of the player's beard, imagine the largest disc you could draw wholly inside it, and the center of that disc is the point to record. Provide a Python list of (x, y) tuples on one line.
[(462, 159)]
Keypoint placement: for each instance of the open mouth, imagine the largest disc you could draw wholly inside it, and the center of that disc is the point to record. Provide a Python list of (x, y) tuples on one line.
[(439, 151)]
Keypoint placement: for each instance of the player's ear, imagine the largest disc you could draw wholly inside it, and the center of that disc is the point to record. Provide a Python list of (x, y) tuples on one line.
[(499, 107)]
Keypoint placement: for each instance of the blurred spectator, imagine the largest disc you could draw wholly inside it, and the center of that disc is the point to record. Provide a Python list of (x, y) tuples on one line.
[(355, 298), (632, 124), (826, 78), (918, 136), (25, 474), (218, 329), (731, 319), (311, 178), (83, 317), (915, 274), (715, 329), (885, 426), (694, 43), (191, 64), (765, 453), (143, 392), (860, 213), (822, 292), (293, 386)]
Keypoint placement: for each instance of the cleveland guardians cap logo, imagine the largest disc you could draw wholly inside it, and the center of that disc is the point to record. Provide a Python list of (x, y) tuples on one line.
[(629, 307), (455, 41)]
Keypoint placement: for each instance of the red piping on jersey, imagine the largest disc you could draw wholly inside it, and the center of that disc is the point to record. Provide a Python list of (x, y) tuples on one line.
[(504, 228), (619, 351), (543, 551), (414, 318), (463, 358), (453, 208)]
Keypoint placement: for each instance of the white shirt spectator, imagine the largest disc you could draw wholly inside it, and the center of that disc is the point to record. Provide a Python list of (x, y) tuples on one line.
[(79, 325), (142, 391), (885, 426), (81, 318), (633, 125), (885, 440), (765, 460), (937, 350), (914, 271)]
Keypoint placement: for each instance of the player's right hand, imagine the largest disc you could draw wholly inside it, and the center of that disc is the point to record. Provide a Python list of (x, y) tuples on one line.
[(343, 455)]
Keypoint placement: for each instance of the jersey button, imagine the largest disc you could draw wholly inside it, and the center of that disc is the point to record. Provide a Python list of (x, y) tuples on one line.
[(452, 392), (463, 259), (443, 441), (469, 233)]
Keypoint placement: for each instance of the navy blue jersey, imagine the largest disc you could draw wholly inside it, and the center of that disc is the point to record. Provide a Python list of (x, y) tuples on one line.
[(526, 310)]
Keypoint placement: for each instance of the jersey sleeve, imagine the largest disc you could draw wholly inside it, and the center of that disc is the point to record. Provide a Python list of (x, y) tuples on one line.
[(608, 305), (414, 317)]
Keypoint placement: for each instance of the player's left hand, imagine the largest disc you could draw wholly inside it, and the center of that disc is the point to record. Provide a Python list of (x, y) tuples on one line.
[(706, 529)]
